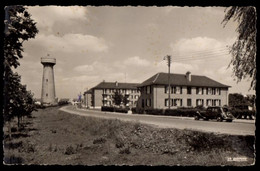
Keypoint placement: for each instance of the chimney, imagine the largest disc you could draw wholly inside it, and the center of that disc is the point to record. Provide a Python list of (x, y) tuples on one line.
[(188, 76), (116, 84)]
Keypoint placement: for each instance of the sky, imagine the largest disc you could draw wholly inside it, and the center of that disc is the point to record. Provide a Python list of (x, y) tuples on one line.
[(127, 44)]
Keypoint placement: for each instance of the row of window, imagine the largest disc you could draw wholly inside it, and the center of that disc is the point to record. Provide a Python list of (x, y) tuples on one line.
[(130, 97), (199, 102), (179, 102), (109, 103), (120, 91), (199, 90), (178, 90)]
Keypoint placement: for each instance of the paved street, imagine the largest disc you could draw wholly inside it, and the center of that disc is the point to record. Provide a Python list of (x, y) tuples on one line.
[(237, 127)]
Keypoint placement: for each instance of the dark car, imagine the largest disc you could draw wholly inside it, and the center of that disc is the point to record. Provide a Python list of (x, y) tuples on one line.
[(219, 113)]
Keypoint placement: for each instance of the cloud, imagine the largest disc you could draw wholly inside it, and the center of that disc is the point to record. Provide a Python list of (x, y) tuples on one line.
[(47, 16), (84, 68), (196, 44), (136, 61), (71, 43)]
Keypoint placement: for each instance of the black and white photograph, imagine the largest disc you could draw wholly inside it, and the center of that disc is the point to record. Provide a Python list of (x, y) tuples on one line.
[(129, 85)]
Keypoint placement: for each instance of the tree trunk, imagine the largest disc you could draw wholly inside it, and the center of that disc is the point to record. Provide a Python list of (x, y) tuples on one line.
[(9, 130), (18, 122)]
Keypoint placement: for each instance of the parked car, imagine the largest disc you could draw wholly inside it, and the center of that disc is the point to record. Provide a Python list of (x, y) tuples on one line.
[(216, 112)]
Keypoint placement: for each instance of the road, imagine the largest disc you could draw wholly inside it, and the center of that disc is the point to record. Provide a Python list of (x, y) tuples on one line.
[(237, 127)]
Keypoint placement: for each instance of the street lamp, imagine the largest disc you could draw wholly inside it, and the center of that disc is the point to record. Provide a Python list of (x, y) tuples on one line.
[(169, 59)]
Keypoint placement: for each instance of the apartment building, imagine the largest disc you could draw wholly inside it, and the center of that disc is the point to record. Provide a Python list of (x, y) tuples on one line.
[(186, 90), (101, 95)]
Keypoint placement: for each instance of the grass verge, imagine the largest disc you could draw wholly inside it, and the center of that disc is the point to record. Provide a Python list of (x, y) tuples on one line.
[(56, 137)]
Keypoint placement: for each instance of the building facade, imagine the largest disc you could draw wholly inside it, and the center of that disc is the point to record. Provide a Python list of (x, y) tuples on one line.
[(102, 94), (186, 90)]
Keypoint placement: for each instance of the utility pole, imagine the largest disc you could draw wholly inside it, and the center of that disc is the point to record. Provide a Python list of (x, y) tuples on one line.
[(169, 59)]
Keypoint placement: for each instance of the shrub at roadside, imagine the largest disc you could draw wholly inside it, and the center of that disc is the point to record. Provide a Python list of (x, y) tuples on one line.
[(180, 112), (240, 114), (187, 112), (114, 109), (107, 108)]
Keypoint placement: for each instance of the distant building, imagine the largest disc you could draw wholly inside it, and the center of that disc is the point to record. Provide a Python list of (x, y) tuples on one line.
[(186, 90), (101, 95)]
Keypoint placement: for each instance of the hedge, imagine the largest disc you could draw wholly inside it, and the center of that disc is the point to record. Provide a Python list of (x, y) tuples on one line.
[(238, 113), (180, 112), (114, 109), (107, 108), (189, 112)]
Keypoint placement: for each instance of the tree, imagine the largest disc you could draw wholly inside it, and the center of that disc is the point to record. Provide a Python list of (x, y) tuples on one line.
[(125, 99), (117, 98), (18, 28), (243, 51), (236, 100)]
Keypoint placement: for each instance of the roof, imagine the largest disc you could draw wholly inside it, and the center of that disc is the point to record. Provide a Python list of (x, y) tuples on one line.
[(88, 91), (112, 85), (181, 80)]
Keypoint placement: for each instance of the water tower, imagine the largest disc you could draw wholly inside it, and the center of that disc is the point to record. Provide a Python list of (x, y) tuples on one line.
[(48, 85)]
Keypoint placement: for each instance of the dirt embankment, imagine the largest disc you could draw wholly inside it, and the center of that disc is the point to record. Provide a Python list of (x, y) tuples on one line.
[(56, 137)]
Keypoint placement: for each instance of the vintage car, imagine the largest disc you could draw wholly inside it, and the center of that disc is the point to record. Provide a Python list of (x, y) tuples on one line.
[(216, 112)]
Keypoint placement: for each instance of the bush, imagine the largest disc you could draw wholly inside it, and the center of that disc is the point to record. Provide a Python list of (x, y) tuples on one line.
[(121, 110), (63, 102), (188, 112), (238, 113), (107, 108), (180, 112), (154, 111), (114, 109), (137, 110)]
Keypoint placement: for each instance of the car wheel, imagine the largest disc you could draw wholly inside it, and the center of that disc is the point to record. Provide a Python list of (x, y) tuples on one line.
[(219, 119), (196, 118), (229, 120)]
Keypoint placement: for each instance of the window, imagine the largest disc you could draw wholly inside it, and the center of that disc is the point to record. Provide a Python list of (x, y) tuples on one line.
[(218, 91), (148, 89), (46, 94), (143, 103), (199, 102), (178, 90), (148, 102), (177, 102), (199, 90), (166, 89), (213, 91), (166, 102), (217, 102), (188, 102), (209, 91), (209, 102), (46, 80), (188, 90), (136, 96)]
